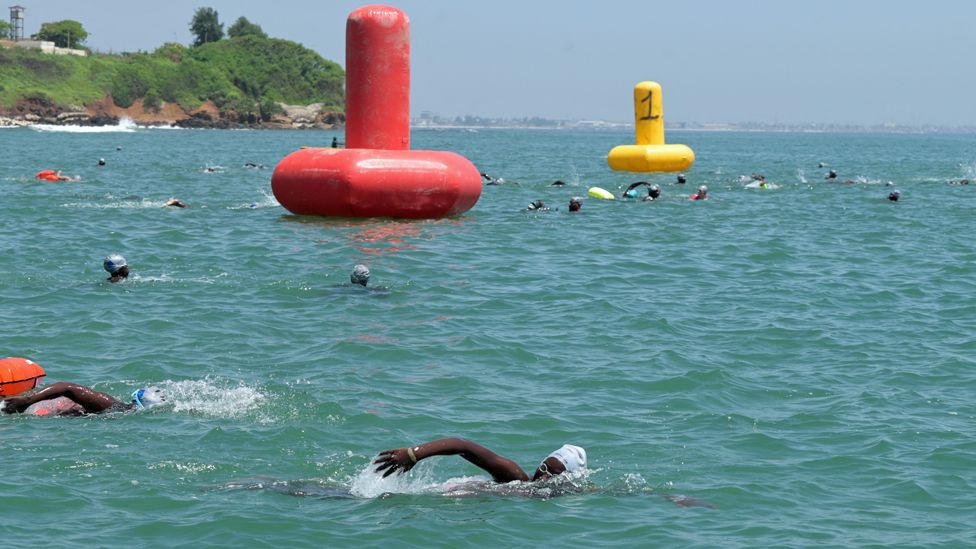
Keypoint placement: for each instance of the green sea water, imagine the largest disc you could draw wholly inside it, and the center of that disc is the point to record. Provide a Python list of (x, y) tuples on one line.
[(800, 358)]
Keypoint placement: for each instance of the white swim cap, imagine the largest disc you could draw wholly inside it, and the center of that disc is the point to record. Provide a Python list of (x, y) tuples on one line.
[(147, 397), (572, 457), (113, 263), (703, 189), (360, 275)]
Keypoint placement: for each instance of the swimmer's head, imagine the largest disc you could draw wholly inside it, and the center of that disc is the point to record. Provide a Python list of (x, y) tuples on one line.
[(537, 205), (567, 459), (654, 191), (681, 178), (703, 190), (575, 204), (894, 196), (360, 275), (147, 397), (114, 263)]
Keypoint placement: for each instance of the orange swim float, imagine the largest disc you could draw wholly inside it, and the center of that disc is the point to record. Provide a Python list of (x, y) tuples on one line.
[(18, 375)]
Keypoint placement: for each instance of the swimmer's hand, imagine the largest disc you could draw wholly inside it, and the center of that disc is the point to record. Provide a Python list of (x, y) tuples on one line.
[(392, 461), (14, 405)]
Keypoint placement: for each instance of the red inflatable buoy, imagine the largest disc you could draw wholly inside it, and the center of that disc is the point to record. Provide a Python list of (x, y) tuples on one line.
[(18, 375), (45, 173), (376, 175)]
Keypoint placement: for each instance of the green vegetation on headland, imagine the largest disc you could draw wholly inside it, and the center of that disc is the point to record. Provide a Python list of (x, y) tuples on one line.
[(245, 79)]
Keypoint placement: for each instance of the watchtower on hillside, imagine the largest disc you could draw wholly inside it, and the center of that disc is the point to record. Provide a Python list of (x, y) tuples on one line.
[(16, 22)]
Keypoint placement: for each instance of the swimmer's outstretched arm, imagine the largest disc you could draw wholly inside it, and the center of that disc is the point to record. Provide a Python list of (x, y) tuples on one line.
[(91, 400), (499, 467), (633, 186)]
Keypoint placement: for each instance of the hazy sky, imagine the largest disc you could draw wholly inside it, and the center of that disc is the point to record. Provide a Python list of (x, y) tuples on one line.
[(827, 61)]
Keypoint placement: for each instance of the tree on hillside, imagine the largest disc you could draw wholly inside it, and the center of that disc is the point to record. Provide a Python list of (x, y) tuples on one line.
[(243, 27), (64, 34), (206, 26), (5, 29)]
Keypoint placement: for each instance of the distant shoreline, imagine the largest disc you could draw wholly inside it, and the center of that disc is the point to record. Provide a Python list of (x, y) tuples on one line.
[(896, 130)]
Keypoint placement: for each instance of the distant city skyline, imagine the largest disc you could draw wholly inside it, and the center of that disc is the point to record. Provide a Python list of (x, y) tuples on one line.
[(870, 62)]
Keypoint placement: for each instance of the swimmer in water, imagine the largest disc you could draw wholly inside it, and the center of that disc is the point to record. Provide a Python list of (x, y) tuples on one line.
[(254, 165), (557, 183), (359, 275), (959, 182), (537, 206), (832, 175), (653, 193), (567, 459), (335, 142), (702, 194), (116, 266), (176, 203), (575, 204), (631, 190), (681, 179), (894, 196), (71, 399), (65, 177), (101, 161)]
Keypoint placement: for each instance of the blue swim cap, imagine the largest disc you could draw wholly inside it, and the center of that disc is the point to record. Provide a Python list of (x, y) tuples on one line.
[(113, 263), (147, 397)]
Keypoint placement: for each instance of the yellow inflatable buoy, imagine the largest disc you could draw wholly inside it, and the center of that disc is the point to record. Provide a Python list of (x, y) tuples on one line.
[(603, 194), (650, 154)]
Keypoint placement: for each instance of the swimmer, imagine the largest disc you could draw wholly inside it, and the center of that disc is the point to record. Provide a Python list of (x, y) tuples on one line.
[(894, 196), (567, 459), (488, 179), (117, 267), (254, 165), (631, 190), (758, 177), (702, 194), (681, 179), (653, 193), (832, 175), (176, 203), (64, 177), (101, 161), (575, 204), (359, 275), (83, 401), (119, 148), (763, 184), (335, 142), (558, 183), (959, 182), (537, 206), (821, 165)]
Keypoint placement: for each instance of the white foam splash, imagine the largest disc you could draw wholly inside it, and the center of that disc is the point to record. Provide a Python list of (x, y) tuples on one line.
[(125, 125), (121, 204), (368, 484), (267, 201), (801, 175), (968, 170), (211, 398)]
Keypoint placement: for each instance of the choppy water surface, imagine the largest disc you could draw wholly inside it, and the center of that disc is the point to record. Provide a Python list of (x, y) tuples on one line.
[(800, 358)]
